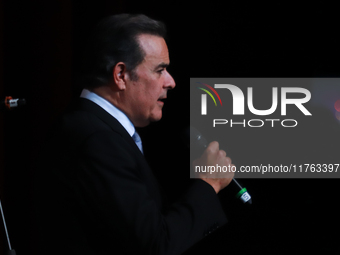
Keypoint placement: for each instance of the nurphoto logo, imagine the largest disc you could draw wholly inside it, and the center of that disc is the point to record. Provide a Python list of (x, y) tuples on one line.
[(238, 98)]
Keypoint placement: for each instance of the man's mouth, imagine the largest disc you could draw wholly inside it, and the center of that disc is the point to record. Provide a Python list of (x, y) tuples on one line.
[(161, 100)]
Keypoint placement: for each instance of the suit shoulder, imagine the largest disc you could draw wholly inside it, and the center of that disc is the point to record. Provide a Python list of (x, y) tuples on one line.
[(82, 122), (75, 127)]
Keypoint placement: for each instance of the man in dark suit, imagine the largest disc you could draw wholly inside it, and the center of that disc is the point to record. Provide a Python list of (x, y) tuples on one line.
[(97, 193)]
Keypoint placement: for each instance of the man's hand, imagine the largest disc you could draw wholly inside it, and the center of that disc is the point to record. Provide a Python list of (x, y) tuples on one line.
[(213, 156)]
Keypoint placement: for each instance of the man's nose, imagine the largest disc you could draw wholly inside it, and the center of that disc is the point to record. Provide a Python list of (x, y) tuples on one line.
[(169, 82)]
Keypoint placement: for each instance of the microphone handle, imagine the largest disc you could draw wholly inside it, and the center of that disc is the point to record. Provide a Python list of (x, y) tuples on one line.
[(196, 138), (243, 194)]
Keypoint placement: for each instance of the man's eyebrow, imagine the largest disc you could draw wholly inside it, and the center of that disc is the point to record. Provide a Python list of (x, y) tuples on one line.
[(162, 65)]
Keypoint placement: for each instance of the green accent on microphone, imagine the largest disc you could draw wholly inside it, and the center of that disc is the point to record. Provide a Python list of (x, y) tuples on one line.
[(240, 193)]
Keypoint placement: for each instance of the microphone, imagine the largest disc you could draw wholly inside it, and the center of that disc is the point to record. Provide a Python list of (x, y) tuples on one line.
[(11, 103), (198, 143)]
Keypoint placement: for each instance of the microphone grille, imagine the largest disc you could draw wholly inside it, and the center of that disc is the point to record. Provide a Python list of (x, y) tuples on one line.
[(197, 143)]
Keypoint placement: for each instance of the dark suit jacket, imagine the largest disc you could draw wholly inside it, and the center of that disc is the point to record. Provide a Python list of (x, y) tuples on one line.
[(97, 194)]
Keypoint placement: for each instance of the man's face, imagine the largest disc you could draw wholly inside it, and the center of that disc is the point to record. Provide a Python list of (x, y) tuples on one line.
[(144, 95)]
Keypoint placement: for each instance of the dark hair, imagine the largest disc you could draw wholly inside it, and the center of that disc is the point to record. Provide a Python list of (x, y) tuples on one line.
[(115, 40)]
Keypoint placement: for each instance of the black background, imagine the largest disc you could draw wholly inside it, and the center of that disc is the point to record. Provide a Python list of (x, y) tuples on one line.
[(40, 50)]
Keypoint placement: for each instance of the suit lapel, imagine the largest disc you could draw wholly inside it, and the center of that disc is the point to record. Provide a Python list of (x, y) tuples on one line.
[(89, 106)]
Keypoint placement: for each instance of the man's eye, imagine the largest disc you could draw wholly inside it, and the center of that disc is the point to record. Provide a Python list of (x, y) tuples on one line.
[(160, 71)]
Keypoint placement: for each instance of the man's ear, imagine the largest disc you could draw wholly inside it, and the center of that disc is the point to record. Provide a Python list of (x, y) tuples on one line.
[(119, 75)]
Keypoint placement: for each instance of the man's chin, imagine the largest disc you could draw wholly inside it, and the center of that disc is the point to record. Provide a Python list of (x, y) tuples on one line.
[(145, 123), (156, 117)]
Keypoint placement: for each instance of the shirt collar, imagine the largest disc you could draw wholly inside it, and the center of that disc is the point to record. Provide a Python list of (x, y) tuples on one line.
[(111, 109)]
